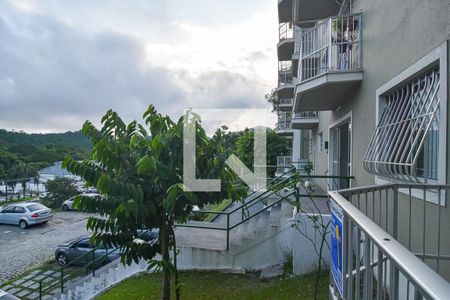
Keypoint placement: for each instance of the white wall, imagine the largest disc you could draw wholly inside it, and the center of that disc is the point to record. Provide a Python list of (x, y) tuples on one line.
[(304, 256)]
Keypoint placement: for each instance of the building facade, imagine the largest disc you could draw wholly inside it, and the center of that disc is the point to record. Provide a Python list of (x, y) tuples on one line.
[(370, 90)]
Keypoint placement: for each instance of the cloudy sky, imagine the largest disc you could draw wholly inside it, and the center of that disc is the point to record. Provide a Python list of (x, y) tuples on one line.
[(63, 62)]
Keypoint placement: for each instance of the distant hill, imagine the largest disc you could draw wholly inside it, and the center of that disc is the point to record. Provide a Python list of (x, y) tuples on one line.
[(19, 149)]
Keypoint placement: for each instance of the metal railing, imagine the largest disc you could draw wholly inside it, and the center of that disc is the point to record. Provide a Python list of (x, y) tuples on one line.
[(395, 243), (285, 181), (286, 31), (285, 101), (284, 161), (332, 45), (306, 114), (90, 261), (285, 74)]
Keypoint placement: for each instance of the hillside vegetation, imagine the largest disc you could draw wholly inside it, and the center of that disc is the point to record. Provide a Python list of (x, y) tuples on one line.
[(22, 154)]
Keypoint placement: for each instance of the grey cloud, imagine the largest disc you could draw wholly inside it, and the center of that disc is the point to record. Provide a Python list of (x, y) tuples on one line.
[(54, 76)]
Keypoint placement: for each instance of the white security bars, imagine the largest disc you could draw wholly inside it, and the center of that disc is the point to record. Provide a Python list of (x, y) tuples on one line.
[(332, 45), (405, 143)]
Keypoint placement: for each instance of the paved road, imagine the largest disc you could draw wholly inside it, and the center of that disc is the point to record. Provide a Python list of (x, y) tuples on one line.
[(21, 250)]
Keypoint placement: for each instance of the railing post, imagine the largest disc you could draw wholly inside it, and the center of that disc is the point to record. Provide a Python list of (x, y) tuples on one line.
[(329, 44), (62, 280), (93, 262), (297, 197), (40, 290), (228, 231), (395, 214)]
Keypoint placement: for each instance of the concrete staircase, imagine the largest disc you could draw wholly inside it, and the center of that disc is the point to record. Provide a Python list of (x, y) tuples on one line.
[(257, 243), (89, 286)]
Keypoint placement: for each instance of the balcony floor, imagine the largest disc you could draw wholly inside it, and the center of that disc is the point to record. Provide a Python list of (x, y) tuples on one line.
[(327, 91)]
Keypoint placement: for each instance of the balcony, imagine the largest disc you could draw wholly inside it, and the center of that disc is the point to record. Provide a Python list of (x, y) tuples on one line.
[(305, 120), (307, 11), (330, 65), (284, 104), (285, 73), (286, 44), (284, 163), (393, 242), (283, 125), (285, 11)]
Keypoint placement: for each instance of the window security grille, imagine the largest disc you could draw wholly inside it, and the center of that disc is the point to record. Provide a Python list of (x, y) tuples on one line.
[(405, 143)]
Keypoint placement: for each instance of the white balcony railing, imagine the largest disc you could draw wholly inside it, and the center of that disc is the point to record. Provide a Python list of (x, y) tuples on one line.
[(391, 242), (306, 114), (286, 31), (333, 45), (284, 161), (285, 101), (285, 75)]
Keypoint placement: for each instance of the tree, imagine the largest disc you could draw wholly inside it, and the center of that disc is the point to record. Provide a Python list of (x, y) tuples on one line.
[(60, 189), (276, 145), (139, 171)]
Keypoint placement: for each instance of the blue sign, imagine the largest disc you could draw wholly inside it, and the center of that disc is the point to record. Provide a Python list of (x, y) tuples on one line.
[(337, 246)]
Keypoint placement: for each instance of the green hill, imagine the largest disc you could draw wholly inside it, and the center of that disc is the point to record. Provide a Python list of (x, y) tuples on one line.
[(22, 154)]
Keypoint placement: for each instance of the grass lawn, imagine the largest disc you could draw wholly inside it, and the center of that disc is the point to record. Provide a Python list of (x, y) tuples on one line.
[(214, 285)]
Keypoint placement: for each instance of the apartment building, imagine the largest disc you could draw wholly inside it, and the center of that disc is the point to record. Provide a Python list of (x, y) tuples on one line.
[(370, 84)]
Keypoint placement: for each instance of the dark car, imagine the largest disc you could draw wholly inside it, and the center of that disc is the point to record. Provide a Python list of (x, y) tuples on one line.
[(82, 251)]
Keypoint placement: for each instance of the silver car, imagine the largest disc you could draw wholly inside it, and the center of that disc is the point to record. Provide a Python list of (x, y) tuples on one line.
[(68, 204), (25, 214)]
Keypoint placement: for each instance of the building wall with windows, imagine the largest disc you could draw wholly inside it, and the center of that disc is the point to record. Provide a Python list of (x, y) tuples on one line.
[(397, 37)]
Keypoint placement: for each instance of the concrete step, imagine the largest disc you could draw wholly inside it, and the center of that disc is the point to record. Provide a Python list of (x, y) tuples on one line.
[(263, 221), (274, 218), (250, 231), (286, 210)]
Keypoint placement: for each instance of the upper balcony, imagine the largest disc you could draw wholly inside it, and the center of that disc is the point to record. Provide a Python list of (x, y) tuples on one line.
[(307, 11), (286, 44), (305, 120), (330, 66), (285, 11)]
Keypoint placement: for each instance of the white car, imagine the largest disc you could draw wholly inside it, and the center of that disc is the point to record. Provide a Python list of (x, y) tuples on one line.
[(67, 205)]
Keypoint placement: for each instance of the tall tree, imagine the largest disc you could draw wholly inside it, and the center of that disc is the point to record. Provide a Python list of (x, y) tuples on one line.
[(276, 145), (139, 172)]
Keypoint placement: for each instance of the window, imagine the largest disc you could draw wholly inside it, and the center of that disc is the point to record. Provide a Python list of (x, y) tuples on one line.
[(19, 210), (320, 142), (405, 144), (35, 207), (9, 209)]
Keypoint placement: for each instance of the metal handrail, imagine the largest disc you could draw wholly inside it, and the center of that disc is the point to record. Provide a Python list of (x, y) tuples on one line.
[(84, 268), (428, 282), (281, 182)]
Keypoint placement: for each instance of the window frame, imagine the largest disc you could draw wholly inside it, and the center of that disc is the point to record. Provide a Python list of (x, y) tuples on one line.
[(437, 56)]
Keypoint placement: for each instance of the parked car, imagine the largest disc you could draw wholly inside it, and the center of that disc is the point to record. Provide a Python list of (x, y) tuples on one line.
[(44, 195), (6, 296), (73, 251), (25, 214), (68, 204)]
